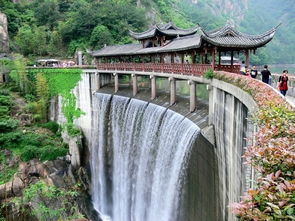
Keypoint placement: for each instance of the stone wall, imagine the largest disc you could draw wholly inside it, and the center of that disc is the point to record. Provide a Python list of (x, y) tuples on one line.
[(3, 33)]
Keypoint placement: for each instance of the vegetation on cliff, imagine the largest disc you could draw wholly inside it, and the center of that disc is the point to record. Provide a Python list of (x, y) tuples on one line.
[(33, 171)]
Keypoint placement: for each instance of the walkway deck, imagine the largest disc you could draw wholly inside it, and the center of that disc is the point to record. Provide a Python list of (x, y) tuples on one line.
[(291, 100)]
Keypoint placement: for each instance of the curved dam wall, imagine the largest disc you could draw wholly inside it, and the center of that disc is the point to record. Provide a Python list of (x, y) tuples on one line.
[(162, 172), (213, 176), (229, 111)]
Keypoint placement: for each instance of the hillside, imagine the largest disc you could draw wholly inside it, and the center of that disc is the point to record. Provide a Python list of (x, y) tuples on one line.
[(59, 27)]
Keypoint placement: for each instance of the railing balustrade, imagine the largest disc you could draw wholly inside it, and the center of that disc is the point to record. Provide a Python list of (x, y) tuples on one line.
[(190, 69)]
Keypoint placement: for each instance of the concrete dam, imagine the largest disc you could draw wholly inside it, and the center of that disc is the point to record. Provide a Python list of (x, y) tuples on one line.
[(151, 161)]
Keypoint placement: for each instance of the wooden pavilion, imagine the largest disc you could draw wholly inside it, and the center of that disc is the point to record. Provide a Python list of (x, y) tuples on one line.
[(172, 49)]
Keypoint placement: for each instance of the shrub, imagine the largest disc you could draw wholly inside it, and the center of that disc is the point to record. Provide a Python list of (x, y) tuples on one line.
[(30, 97), (5, 100), (53, 203), (6, 174), (72, 130), (51, 125), (11, 139), (51, 152), (29, 152), (209, 74), (4, 111), (7, 125), (33, 139), (4, 91)]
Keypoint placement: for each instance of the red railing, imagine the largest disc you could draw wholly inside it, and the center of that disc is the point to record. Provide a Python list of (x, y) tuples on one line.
[(190, 69), (228, 68)]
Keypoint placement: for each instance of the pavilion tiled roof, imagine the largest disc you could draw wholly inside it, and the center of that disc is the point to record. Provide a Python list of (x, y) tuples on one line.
[(168, 29), (229, 37), (178, 44), (225, 37), (118, 50)]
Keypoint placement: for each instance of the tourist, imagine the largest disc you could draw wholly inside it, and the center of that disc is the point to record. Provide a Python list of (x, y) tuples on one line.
[(266, 75), (243, 68), (283, 83), (254, 72), (248, 73)]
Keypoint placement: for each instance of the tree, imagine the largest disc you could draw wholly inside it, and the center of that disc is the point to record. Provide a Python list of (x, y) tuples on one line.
[(42, 91), (100, 36), (31, 40), (47, 13)]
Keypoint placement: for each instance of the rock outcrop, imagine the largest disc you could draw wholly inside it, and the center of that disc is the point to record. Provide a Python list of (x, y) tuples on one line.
[(3, 33), (52, 172)]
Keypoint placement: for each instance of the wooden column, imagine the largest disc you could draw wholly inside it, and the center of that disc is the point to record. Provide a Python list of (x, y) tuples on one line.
[(202, 58), (219, 58), (232, 58), (161, 58), (192, 99), (172, 58), (134, 84), (194, 57), (247, 55), (213, 58), (172, 90), (116, 82), (182, 58), (153, 87)]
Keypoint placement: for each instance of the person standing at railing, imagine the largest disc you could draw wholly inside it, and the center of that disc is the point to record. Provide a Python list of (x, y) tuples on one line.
[(243, 68), (254, 72), (248, 73), (283, 83), (266, 75)]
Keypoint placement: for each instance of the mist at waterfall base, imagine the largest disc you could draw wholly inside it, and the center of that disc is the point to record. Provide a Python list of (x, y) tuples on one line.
[(139, 156)]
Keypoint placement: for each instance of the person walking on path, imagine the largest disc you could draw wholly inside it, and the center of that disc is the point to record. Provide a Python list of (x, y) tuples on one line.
[(265, 75), (283, 83), (254, 72)]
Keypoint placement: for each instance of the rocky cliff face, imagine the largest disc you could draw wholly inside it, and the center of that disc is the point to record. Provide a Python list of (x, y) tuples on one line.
[(3, 33), (232, 9)]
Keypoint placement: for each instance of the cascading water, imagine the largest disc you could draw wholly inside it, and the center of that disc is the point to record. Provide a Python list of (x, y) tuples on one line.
[(139, 155)]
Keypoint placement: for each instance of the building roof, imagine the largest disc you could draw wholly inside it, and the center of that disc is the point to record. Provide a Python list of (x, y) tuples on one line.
[(168, 29), (228, 36), (178, 44), (224, 37)]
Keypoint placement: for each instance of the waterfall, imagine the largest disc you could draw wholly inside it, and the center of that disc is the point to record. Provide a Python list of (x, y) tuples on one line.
[(139, 156)]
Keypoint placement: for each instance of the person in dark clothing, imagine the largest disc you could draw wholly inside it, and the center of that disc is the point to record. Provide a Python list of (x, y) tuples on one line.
[(253, 72), (265, 75), (283, 83)]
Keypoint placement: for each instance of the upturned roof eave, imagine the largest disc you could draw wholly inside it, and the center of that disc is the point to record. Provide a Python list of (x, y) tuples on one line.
[(155, 29), (238, 46)]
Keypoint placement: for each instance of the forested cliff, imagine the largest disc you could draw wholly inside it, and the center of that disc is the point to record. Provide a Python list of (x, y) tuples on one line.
[(59, 27)]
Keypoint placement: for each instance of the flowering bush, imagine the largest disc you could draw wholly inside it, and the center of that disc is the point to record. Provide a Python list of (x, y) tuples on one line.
[(272, 154)]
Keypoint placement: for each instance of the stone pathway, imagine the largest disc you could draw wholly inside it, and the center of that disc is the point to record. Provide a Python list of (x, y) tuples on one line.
[(291, 100)]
